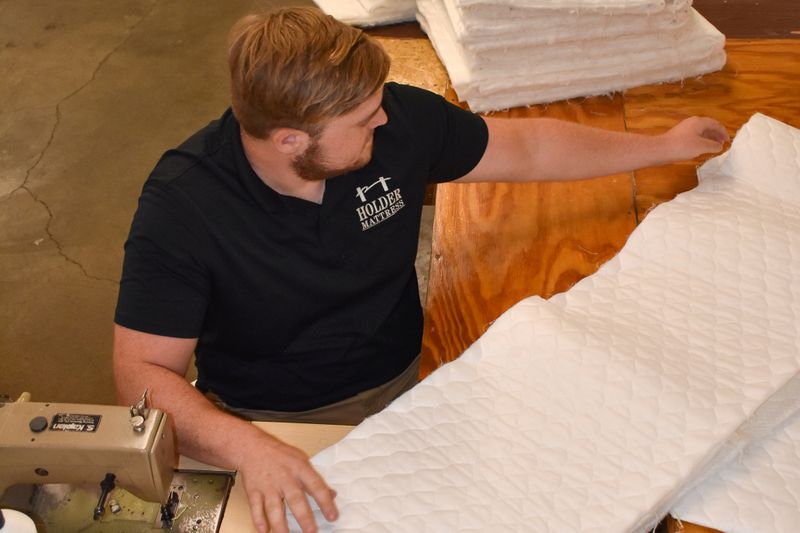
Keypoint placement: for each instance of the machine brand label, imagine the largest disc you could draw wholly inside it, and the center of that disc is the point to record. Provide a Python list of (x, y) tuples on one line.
[(75, 422)]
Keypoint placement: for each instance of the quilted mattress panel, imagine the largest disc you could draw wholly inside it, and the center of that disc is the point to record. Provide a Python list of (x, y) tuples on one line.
[(595, 410), (760, 492)]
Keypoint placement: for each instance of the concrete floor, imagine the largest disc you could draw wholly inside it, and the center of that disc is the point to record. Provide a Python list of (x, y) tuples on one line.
[(91, 94)]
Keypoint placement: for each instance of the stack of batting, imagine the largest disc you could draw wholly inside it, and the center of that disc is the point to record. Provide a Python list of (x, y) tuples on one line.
[(509, 53), (369, 12)]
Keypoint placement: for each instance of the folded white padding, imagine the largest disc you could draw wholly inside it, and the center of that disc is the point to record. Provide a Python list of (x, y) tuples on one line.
[(530, 74), (598, 6), (598, 409), (760, 492), (369, 12), (556, 90), (577, 28), (481, 29), (593, 52), (491, 9)]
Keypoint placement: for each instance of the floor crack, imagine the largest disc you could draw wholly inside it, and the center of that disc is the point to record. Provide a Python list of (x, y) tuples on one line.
[(29, 171), (52, 237)]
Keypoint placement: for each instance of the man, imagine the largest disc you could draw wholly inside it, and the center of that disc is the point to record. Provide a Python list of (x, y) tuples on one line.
[(277, 244)]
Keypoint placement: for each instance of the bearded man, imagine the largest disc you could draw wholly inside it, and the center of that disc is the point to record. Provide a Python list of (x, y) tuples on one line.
[(277, 244)]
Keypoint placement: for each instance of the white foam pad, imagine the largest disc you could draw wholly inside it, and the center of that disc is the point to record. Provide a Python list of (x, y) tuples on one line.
[(369, 12), (595, 410)]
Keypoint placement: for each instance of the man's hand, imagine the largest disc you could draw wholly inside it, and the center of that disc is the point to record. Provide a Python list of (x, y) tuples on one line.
[(695, 136), (273, 473)]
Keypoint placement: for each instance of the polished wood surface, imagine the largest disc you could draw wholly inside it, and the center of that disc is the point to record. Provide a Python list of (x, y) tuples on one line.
[(760, 76), (676, 526), (494, 244), (739, 19)]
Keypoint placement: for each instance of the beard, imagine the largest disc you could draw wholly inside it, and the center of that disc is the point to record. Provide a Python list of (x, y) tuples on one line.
[(311, 166)]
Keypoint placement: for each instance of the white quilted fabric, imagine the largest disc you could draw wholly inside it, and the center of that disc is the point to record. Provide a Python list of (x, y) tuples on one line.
[(593, 411), (500, 55), (369, 12), (761, 491)]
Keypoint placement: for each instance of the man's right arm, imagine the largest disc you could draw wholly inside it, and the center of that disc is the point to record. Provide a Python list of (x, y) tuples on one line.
[(272, 471)]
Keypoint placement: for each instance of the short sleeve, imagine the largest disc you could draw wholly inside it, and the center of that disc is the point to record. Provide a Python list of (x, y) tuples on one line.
[(455, 139), (464, 142), (164, 286)]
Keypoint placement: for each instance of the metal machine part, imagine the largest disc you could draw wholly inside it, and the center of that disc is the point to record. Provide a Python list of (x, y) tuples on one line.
[(56, 457), (73, 443), (199, 502)]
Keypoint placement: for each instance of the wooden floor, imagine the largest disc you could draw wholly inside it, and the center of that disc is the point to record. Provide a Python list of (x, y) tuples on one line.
[(495, 244)]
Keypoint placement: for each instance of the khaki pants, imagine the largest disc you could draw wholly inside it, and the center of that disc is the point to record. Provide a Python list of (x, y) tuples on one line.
[(350, 411)]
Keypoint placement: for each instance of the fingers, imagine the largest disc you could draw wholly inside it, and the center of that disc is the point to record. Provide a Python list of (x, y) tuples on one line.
[(285, 481), (696, 136), (276, 514), (285, 478), (709, 128), (302, 511), (272, 507), (322, 494), (257, 511), (715, 134), (711, 146)]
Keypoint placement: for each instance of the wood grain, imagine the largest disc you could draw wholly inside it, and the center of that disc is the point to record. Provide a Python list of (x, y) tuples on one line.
[(676, 526), (752, 18), (494, 244), (760, 76)]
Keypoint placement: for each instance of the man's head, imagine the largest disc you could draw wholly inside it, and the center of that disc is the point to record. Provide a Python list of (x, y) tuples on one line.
[(298, 68)]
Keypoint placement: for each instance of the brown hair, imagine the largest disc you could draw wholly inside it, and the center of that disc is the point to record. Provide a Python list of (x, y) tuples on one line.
[(297, 67)]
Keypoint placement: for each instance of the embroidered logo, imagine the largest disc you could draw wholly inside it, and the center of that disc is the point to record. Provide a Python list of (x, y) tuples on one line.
[(373, 212)]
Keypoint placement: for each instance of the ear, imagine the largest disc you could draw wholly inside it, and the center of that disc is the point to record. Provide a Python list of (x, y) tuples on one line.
[(289, 141)]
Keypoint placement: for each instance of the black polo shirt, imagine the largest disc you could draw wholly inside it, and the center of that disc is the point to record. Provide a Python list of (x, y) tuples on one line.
[(295, 305)]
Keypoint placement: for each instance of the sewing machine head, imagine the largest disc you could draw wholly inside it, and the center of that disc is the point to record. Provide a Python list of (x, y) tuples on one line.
[(62, 458), (71, 443)]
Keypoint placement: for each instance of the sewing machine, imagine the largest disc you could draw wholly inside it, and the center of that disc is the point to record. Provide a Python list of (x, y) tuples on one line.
[(73, 467)]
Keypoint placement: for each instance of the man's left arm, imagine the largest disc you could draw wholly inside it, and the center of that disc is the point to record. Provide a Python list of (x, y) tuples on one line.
[(544, 149)]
